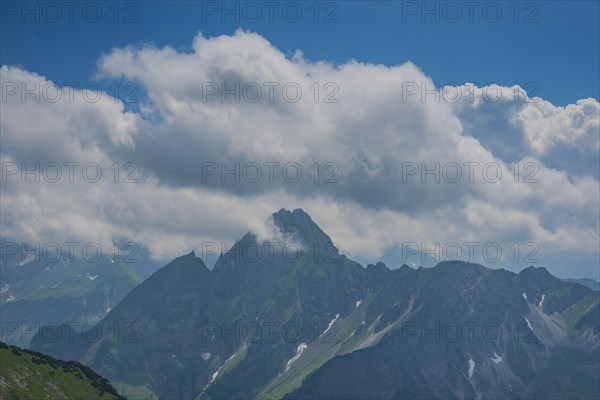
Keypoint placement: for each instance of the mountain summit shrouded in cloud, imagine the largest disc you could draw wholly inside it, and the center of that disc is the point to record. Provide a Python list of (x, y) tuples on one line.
[(316, 324), (356, 153)]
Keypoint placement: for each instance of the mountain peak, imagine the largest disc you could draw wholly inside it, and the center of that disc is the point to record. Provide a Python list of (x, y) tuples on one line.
[(185, 262), (301, 226), (540, 272), (297, 213)]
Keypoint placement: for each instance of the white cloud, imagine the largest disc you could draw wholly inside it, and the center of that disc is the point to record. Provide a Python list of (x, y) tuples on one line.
[(512, 125), (547, 126), (371, 133)]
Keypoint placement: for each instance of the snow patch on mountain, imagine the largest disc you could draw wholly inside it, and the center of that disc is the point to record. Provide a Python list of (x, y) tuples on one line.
[(352, 334), (496, 358), (214, 376), (529, 324), (28, 257), (330, 324), (301, 347)]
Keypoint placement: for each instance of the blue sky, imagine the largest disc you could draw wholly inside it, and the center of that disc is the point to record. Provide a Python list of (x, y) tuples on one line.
[(554, 43)]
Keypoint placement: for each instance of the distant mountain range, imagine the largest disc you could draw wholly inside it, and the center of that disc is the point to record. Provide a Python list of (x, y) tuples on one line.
[(39, 288), (591, 283), (302, 321)]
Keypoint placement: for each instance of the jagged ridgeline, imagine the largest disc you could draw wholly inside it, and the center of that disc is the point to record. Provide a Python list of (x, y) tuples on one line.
[(25, 374), (314, 324)]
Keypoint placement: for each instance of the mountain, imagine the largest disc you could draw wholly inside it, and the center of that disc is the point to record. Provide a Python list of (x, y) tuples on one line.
[(39, 288), (25, 374), (471, 332), (590, 283), (300, 320)]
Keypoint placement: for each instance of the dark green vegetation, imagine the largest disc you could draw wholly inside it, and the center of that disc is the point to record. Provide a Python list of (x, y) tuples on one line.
[(26, 374), (318, 325)]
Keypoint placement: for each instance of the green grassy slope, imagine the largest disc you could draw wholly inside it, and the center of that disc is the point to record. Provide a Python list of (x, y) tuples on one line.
[(28, 375)]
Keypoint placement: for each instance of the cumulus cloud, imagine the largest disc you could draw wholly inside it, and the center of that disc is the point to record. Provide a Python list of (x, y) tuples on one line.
[(365, 146), (513, 125), (547, 126)]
